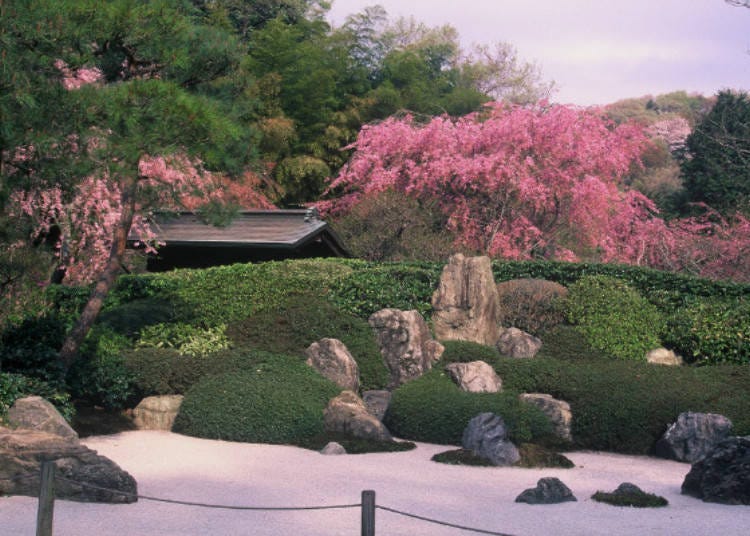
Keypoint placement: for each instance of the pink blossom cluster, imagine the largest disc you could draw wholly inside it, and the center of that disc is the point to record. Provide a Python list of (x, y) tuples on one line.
[(674, 131), (77, 78)]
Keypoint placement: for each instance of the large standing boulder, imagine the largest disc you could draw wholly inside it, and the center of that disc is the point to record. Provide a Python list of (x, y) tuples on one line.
[(487, 437), (692, 436), (723, 476), (332, 359), (557, 411), (548, 490), (348, 414), (474, 377), (22, 452), (513, 342), (157, 412), (36, 413), (405, 343), (466, 304)]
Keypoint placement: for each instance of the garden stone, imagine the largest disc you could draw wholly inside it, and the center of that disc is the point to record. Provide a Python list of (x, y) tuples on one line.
[(22, 452), (487, 437), (157, 412), (474, 377), (36, 413), (518, 344), (692, 436), (558, 412), (332, 359), (548, 490), (333, 449), (377, 402), (723, 476), (662, 356), (466, 303), (405, 343), (348, 414)]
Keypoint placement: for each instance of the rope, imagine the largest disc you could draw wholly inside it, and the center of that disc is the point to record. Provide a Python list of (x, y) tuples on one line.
[(208, 505), (437, 522)]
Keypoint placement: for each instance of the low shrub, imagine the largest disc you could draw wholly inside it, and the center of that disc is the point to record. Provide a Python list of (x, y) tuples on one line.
[(613, 317), (532, 305), (15, 386), (625, 406), (281, 400), (301, 320), (434, 410), (129, 319), (466, 351), (185, 338), (710, 332)]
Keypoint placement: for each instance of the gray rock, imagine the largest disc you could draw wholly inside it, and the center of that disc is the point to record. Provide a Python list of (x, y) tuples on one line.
[(723, 476), (405, 343), (157, 412), (36, 413), (333, 449), (548, 490), (466, 304), (518, 344), (487, 437), (332, 359), (558, 412), (377, 402), (662, 356), (626, 488), (348, 414), (23, 451), (692, 436), (474, 377)]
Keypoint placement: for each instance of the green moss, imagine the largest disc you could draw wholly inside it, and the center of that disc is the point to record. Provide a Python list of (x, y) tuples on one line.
[(354, 445), (637, 500), (539, 456), (465, 351), (461, 457)]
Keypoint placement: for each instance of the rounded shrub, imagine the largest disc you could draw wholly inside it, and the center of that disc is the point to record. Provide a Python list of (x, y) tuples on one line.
[(130, 318), (614, 317), (434, 410), (466, 351), (281, 400), (532, 305), (15, 386)]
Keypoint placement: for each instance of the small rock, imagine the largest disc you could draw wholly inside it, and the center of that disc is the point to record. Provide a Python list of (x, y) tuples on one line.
[(662, 356), (348, 414), (723, 476), (548, 490), (333, 449), (332, 359), (518, 344), (558, 412), (36, 413), (377, 402), (157, 412), (486, 436), (692, 436), (475, 377)]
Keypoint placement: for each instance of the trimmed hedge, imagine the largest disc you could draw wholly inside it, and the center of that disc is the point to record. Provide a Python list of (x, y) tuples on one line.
[(434, 410), (466, 351), (281, 400), (625, 406)]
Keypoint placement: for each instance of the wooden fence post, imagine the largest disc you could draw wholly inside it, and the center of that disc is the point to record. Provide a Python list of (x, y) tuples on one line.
[(46, 507), (368, 513)]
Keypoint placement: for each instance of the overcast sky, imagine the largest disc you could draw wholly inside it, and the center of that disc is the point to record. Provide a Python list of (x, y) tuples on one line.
[(600, 51)]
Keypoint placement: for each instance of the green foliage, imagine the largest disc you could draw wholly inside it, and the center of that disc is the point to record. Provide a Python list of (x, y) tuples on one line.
[(185, 338), (163, 371), (625, 406), (281, 400), (354, 445), (709, 332), (15, 386), (466, 351), (130, 319), (302, 320), (613, 317), (434, 410), (532, 305), (375, 286), (30, 348), (636, 500)]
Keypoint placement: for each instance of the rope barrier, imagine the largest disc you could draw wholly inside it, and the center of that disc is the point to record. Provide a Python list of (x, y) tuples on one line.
[(208, 505), (437, 522)]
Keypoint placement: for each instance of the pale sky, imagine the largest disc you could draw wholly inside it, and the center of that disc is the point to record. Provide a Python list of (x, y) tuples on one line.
[(600, 51)]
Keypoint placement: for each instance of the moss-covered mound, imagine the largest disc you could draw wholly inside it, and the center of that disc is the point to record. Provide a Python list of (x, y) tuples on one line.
[(636, 499), (280, 400), (354, 445), (434, 410), (532, 456)]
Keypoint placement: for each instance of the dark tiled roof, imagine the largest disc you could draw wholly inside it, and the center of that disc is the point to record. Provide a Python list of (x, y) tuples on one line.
[(253, 228)]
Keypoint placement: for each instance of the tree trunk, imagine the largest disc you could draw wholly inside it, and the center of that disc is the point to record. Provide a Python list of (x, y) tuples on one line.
[(72, 344)]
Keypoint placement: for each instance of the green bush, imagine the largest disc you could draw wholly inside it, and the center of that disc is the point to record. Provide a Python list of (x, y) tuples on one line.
[(532, 305), (185, 338), (613, 317), (131, 318), (434, 410), (15, 386), (625, 406), (31, 348), (302, 320), (280, 401), (465, 351), (710, 332), (375, 286)]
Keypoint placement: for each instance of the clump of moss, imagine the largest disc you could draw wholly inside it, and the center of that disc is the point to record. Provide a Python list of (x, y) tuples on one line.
[(461, 457), (354, 445), (533, 456), (630, 495)]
